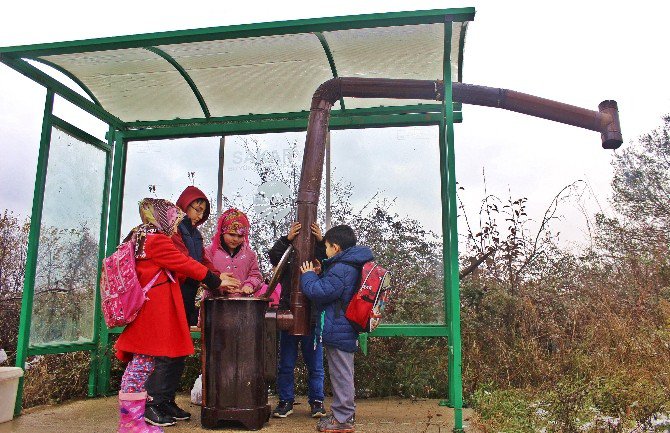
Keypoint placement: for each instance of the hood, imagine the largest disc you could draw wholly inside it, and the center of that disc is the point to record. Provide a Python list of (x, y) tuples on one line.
[(186, 198), (356, 256)]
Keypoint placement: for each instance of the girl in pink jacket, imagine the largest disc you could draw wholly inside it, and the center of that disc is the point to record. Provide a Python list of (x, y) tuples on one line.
[(230, 252)]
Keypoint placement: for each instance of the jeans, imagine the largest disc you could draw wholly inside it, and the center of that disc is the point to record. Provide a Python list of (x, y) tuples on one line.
[(288, 354)]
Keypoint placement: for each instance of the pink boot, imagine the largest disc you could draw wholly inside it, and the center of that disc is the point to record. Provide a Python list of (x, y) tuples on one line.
[(131, 410)]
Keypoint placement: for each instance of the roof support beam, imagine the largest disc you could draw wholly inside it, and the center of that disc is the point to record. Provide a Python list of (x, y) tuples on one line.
[(390, 19), (354, 112), (287, 125), (40, 77), (331, 61), (461, 44), (184, 74), (71, 76)]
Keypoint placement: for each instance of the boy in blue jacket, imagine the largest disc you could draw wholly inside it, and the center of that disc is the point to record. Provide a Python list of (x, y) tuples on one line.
[(331, 293)]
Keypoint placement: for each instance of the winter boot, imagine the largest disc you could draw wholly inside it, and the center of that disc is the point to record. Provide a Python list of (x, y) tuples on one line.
[(131, 411)]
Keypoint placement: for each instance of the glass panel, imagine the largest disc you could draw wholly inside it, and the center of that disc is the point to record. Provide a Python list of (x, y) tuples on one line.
[(66, 273), (261, 173), (163, 168), (386, 184)]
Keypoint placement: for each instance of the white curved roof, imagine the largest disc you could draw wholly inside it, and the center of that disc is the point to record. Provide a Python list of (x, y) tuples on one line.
[(263, 68)]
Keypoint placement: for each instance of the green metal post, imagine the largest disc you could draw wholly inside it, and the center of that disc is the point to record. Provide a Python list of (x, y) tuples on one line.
[(450, 235), (113, 233), (97, 325), (363, 342), (33, 246)]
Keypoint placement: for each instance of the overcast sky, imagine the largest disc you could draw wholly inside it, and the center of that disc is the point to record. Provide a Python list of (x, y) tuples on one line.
[(579, 52)]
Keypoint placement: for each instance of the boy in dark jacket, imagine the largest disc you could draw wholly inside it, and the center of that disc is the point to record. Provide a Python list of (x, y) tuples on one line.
[(331, 293), (312, 350), (163, 382)]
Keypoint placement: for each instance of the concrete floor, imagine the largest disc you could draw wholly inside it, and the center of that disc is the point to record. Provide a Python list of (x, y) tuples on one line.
[(372, 416)]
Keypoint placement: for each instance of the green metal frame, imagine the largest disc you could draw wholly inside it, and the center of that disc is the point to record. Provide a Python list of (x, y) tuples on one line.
[(113, 235), (71, 76), (184, 74), (120, 133), (59, 88), (331, 61), (25, 349), (390, 19), (33, 245), (452, 302), (13, 56)]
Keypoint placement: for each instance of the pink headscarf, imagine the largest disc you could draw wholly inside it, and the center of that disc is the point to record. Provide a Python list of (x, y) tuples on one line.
[(158, 216), (231, 221)]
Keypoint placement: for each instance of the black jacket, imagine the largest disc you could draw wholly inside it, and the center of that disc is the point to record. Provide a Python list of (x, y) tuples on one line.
[(275, 253)]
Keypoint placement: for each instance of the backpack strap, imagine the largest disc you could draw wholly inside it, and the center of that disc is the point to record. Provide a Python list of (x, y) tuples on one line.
[(340, 304), (169, 275), (148, 287)]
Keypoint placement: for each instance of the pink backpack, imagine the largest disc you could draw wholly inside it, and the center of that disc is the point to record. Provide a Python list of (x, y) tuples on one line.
[(121, 292)]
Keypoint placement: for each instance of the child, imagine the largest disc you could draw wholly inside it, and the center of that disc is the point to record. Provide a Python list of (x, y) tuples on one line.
[(188, 240), (230, 252), (160, 328), (312, 350), (163, 382), (331, 293)]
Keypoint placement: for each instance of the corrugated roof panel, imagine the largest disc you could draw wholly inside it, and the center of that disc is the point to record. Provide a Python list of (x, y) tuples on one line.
[(270, 74), (404, 52), (133, 84), (256, 74)]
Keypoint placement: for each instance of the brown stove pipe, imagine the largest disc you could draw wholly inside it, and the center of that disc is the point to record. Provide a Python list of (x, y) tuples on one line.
[(605, 121)]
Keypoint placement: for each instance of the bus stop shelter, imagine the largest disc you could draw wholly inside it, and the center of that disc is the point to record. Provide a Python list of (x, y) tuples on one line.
[(237, 80), (241, 79)]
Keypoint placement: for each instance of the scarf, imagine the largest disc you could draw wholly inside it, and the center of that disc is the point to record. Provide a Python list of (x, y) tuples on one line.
[(232, 221), (158, 216)]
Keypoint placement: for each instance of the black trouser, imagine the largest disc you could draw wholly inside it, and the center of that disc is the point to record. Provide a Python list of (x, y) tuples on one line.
[(163, 382), (188, 292)]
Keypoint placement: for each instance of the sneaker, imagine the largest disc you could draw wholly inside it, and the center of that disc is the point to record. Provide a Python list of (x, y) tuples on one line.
[(328, 424), (155, 416), (283, 409), (317, 410), (170, 408)]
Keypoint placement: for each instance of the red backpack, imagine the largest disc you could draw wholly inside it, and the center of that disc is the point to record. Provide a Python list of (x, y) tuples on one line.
[(366, 308), (122, 294)]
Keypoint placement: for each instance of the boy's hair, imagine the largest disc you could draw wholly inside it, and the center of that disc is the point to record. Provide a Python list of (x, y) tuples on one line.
[(341, 235), (200, 201)]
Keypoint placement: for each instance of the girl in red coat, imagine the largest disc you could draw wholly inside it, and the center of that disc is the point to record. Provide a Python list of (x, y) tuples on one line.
[(160, 328), (161, 386)]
